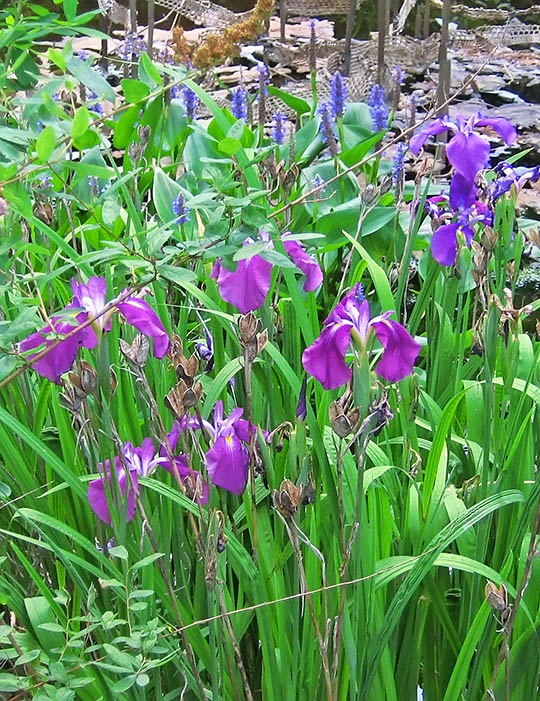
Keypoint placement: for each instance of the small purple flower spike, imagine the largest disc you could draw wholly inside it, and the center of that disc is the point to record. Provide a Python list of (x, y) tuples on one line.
[(191, 101), (279, 127), (398, 163), (326, 129), (378, 108), (239, 107), (181, 209), (338, 95)]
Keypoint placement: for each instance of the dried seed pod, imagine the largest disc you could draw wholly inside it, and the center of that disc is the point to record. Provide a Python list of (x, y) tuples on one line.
[(497, 597), (369, 194), (137, 352), (308, 494), (489, 238), (88, 377), (287, 498), (186, 369), (248, 325), (44, 212), (144, 135), (343, 422), (252, 342), (70, 399)]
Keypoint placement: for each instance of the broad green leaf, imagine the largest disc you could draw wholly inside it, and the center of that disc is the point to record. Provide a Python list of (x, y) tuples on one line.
[(70, 9), (45, 144), (57, 58), (81, 122), (148, 72), (134, 90), (146, 561), (229, 146), (119, 551), (91, 79)]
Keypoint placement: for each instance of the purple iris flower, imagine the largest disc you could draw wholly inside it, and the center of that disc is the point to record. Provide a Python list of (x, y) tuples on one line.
[(227, 461), (90, 299), (141, 462), (325, 358), (467, 151), (247, 286), (507, 176), (444, 239)]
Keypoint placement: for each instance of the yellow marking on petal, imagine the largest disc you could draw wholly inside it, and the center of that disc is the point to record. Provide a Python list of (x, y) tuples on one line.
[(228, 439)]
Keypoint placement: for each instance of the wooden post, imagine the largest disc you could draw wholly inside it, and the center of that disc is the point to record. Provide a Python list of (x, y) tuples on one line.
[(282, 19), (349, 29), (443, 88), (418, 21), (133, 16), (384, 14), (427, 17), (132, 70), (105, 28), (151, 15)]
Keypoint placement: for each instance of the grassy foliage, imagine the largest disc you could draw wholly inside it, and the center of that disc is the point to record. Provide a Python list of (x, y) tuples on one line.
[(369, 580)]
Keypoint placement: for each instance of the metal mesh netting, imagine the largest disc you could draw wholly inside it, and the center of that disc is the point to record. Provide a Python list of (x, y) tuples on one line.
[(312, 8), (203, 12), (207, 13)]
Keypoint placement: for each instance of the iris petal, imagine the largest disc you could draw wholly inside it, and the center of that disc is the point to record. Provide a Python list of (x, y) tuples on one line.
[(400, 350), (97, 496), (444, 244), (462, 192), (468, 153), (227, 463), (505, 129), (61, 358), (307, 264), (140, 315), (247, 286), (436, 127), (325, 358)]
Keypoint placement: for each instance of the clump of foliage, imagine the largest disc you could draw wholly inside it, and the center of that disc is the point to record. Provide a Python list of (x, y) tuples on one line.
[(268, 409)]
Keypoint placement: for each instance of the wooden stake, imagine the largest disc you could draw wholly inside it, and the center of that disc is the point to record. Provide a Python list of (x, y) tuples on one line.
[(384, 15), (282, 19), (348, 36), (443, 88), (151, 15), (427, 17)]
